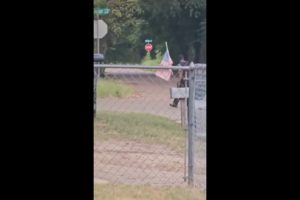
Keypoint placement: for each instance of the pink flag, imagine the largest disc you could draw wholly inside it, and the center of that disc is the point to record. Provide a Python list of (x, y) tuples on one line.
[(165, 74)]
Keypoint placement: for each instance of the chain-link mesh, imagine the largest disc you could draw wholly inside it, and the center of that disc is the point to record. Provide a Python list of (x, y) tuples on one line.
[(139, 137), (199, 128)]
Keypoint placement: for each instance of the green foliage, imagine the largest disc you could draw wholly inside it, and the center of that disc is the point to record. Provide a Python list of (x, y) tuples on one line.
[(109, 88), (178, 23), (146, 128), (149, 61), (181, 23), (122, 41)]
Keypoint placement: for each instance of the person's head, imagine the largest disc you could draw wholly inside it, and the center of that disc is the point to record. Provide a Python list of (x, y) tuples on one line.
[(181, 57)]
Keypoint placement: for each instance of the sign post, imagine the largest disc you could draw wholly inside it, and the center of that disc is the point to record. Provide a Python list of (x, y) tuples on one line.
[(100, 27), (97, 38), (100, 30)]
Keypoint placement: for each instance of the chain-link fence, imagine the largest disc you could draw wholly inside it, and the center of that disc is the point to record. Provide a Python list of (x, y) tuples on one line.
[(198, 123), (140, 138)]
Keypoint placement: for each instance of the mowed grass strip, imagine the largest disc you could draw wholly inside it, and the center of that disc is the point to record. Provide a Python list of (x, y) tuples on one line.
[(111, 88), (141, 127)]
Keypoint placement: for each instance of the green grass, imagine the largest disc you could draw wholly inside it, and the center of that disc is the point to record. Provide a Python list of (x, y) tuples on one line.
[(110, 88), (152, 62), (126, 192), (143, 127)]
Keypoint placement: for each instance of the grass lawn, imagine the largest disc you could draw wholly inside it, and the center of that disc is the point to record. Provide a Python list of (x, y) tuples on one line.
[(110, 88), (142, 127), (148, 129)]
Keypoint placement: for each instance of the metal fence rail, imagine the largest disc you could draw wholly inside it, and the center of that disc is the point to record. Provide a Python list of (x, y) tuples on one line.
[(197, 66)]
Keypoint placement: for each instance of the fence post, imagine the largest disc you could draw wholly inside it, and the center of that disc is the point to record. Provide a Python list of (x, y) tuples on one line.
[(191, 126), (184, 122), (95, 92)]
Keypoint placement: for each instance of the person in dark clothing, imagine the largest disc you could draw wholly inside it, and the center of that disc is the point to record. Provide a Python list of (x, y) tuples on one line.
[(182, 74)]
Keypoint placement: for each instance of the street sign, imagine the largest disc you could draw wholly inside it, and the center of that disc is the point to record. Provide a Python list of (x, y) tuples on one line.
[(100, 29), (148, 40), (148, 47), (102, 11)]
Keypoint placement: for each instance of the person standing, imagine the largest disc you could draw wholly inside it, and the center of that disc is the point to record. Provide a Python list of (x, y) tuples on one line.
[(181, 82)]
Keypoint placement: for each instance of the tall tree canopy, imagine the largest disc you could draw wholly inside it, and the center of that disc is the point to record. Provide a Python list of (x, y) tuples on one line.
[(182, 23)]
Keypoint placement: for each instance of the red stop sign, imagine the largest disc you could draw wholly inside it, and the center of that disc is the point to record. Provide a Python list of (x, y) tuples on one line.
[(148, 47)]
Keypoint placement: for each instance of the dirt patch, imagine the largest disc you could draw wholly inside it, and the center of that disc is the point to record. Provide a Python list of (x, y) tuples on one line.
[(151, 94), (129, 162)]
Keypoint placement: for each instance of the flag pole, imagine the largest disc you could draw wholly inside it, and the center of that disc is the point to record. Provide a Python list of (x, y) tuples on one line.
[(167, 46)]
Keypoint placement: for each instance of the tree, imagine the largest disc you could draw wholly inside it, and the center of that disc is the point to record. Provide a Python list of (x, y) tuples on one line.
[(179, 22), (122, 41), (182, 23)]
